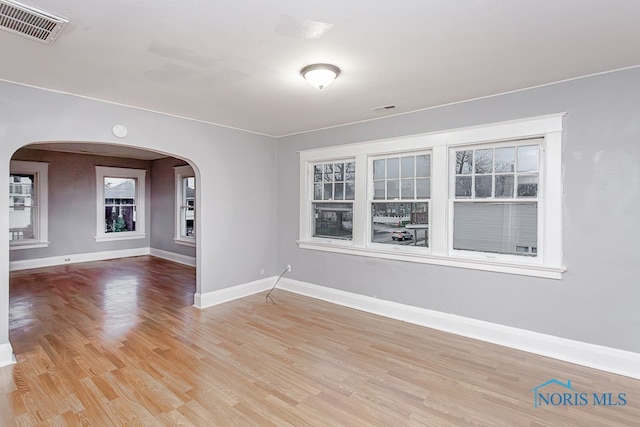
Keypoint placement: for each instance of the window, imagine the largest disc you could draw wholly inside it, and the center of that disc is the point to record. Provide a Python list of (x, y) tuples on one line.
[(487, 198), (333, 194), (400, 206), (28, 204), (495, 200), (120, 203), (185, 206)]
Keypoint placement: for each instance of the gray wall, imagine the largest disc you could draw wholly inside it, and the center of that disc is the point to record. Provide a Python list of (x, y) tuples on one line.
[(72, 203), (163, 207), (597, 299)]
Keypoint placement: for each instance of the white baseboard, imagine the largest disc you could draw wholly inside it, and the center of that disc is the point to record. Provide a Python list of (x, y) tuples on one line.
[(75, 258), (6, 355), (210, 299), (594, 356), (172, 256)]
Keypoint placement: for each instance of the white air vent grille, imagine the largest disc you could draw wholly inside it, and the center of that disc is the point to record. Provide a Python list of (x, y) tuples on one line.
[(29, 22)]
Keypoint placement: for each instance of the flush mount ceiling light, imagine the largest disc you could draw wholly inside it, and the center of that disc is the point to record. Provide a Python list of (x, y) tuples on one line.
[(320, 75)]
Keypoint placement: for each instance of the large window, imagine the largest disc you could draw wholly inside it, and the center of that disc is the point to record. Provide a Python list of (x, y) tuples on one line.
[(333, 194), (185, 206), (120, 203), (486, 198), (495, 195), (400, 207), (28, 205)]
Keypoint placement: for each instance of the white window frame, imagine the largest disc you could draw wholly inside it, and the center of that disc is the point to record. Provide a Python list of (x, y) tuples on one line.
[(548, 263), (182, 172), (139, 175), (41, 227)]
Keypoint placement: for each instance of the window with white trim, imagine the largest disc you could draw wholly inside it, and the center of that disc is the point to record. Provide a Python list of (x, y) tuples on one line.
[(120, 207), (28, 205), (486, 198), (185, 184), (401, 190), (495, 197), (333, 194)]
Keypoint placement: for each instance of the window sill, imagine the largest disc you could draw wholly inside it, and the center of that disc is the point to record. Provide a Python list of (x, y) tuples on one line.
[(120, 236), (32, 245), (185, 242), (534, 270)]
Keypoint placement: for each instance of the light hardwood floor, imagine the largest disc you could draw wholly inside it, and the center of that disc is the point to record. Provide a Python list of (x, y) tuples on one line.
[(118, 342)]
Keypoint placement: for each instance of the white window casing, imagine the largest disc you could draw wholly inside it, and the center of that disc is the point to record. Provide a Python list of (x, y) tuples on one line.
[(180, 236), (138, 175), (544, 260), (40, 227)]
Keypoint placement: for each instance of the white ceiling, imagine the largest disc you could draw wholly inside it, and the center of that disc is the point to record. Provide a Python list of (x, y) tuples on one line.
[(236, 62)]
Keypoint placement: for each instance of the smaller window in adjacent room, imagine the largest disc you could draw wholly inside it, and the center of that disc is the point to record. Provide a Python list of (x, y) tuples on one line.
[(400, 205), (185, 205), (120, 203), (333, 195), (28, 217)]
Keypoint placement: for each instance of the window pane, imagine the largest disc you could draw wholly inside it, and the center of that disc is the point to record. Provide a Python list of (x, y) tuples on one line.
[(484, 161), (317, 173), (121, 189), (504, 186), (393, 190), (378, 169), (527, 185), (333, 220), (393, 168), (349, 190), (407, 167), (22, 204), (400, 223), (528, 158), (407, 189), (483, 185), (463, 162), (328, 173), (463, 186), (339, 191), (328, 192), (423, 188), (378, 190), (505, 159), (119, 218), (338, 171), (496, 227), (317, 191), (350, 171), (423, 165)]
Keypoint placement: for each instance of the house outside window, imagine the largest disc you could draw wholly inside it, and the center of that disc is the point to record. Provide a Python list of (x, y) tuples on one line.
[(485, 198), (120, 203), (28, 205), (185, 185)]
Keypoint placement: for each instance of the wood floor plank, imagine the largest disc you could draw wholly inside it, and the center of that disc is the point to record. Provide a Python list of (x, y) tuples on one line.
[(118, 343)]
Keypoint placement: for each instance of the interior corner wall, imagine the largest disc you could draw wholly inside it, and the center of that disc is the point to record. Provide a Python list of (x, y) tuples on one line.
[(595, 302), (163, 207), (235, 170)]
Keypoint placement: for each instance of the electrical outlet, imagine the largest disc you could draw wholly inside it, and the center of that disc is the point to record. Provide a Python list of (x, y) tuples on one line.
[(289, 268), (261, 271), (67, 259)]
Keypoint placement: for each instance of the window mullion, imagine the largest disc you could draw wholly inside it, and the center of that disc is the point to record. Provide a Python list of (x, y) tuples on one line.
[(439, 227), (361, 226)]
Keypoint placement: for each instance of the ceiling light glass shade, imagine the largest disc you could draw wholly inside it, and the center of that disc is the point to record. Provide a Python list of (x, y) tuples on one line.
[(320, 75)]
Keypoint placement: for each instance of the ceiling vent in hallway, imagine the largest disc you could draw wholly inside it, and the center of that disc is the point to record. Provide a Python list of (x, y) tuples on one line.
[(30, 22)]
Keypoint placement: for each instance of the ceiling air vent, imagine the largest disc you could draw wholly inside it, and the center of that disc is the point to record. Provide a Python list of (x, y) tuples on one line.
[(385, 108), (30, 22)]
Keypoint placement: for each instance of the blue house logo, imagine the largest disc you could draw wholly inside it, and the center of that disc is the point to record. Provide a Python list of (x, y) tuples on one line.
[(568, 396)]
